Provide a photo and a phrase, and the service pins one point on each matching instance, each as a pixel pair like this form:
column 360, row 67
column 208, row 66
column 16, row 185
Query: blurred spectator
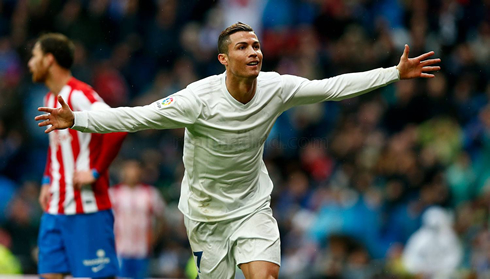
column 7, row 191
column 110, row 85
column 8, row 263
column 461, row 179
column 434, row 249
column 22, row 226
column 247, row 11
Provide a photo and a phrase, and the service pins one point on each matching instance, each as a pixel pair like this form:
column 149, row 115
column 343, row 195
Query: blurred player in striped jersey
column 76, row 234
column 138, row 209
column 226, row 189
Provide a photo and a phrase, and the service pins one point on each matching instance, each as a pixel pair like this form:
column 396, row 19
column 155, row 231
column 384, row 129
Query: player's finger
column 76, row 180
column 43, row 123
column 430, row 61
column 42, row 117
column 49, row 129
column 425, row 55
column 431, row 69
column 45, row 109
column 424, row 75
column 62, row 102
column 78, row 185
column 44, row 203
column 406, row 50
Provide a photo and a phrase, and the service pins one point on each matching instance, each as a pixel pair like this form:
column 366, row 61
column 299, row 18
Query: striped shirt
column 71, row 151
column 134, row 211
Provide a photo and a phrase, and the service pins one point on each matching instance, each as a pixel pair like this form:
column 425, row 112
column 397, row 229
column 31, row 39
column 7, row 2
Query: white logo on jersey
column 98, row 263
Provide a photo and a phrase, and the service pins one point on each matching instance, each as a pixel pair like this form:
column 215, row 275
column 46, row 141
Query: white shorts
column 220, row 246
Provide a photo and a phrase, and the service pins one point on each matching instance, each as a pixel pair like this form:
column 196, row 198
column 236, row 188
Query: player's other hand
column 417, row 67
column 81, row 178
column 44, row 196
column 58, row 118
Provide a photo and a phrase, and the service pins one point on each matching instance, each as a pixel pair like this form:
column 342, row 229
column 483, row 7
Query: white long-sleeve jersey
column 225, row 176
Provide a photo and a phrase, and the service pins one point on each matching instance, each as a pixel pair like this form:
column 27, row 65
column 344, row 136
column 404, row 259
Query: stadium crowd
column 352, row 179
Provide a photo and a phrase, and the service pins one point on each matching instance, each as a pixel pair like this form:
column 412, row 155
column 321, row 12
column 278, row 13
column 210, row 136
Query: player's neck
column 243, row 90
column 56, row 80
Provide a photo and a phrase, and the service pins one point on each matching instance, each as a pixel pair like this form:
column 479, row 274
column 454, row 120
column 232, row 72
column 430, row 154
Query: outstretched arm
column 179, row 110
column 417, row 67
column 303, row 91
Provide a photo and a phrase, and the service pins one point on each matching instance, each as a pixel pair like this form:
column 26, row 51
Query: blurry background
column 352, row 179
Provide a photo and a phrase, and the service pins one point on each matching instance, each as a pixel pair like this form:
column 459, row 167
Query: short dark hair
column 224, row 37
column 62, row 48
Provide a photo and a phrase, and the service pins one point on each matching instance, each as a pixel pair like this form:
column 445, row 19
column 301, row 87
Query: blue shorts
column 81, row 245
column 134, row 268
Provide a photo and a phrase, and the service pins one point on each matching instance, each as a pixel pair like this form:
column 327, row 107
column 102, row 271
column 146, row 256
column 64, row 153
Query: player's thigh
column 260, row 270
column 52, row 255
column 211, row 248
column 90, row 244
column 257, row 239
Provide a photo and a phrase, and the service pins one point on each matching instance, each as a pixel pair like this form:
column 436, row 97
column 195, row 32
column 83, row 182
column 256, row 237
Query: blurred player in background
column 138, row 210
column 76, row 234
column 434, row 250
column 226, row 189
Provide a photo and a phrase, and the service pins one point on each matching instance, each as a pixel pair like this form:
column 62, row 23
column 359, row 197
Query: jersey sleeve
column 176, row 111
column 301, row 91
column 111, row 144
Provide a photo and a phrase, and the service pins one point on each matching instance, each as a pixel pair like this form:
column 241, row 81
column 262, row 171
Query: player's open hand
column 417, row 67
column 58, row 118
column 81, row 178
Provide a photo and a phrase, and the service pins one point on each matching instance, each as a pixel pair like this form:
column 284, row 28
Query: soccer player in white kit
column 226, row 189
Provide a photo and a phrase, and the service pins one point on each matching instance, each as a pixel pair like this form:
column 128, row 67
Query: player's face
column 244, row 58
column 131, row 173
column 38, row 64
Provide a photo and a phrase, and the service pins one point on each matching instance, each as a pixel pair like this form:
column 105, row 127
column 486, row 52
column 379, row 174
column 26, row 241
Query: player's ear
column 49, row 58
column 223, row 59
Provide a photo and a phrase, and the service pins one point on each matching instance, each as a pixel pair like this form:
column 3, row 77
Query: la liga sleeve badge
column 165, row 102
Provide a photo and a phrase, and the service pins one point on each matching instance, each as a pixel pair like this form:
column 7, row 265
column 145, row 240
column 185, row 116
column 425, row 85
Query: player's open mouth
column 255, row 63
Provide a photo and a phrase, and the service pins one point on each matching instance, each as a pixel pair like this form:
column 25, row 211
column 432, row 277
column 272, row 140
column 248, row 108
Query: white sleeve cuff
column 395, row 72
column 80, row 122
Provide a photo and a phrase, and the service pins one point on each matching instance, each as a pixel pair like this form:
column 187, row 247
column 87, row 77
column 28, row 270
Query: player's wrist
column 46, row 180
column 95, row 174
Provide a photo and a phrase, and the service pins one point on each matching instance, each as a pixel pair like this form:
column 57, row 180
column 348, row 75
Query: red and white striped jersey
column 71, row 151
column 135, row 209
